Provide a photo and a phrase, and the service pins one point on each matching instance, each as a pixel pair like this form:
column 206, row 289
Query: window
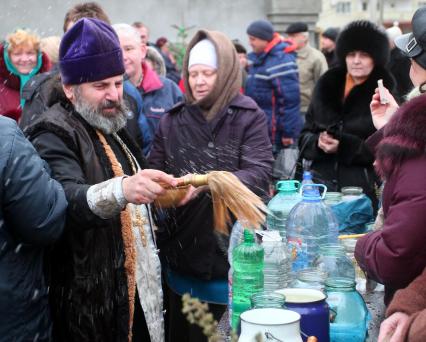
column 364, row 5
column 343, row 7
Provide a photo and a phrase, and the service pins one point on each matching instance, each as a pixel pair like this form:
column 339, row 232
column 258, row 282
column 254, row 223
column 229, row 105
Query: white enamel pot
column 273, row 325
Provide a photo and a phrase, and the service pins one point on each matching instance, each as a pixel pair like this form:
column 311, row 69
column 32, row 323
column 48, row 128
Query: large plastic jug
column 281, row 204
column 310, row 225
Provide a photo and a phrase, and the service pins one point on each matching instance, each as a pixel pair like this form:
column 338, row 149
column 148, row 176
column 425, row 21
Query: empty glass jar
column 333, row 261
column 310, row 278
column 263, row 300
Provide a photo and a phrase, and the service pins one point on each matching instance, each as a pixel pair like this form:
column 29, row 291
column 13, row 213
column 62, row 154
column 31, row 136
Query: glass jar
column 263, row 300
column 349, row 245
column 333, row 261
column 332, row 198
column 349, row 315
column 350, row 193
column 310, row 278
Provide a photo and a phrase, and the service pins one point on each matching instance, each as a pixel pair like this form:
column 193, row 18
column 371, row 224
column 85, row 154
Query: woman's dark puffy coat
column 349, row 121
column 32, row 216
column 236, row 140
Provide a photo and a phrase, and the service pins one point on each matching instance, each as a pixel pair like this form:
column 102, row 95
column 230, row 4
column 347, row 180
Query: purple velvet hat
column 90, row 51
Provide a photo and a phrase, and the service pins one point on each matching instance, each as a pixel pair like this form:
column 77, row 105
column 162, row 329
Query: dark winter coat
column 32, row 216
column 10, row 88
column 396, row 254
column 88, row 289
column 349, row 121
column 44, row 90
column 273, row 82
column 237, row 141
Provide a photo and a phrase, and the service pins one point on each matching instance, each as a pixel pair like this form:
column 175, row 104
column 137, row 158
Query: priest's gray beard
column 96, row 117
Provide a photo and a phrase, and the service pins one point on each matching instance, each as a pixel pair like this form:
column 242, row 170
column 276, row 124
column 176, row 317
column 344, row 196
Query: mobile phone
column 382, row 93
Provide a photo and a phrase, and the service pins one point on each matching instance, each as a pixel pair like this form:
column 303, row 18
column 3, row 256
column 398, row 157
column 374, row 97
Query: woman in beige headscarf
column 216, row 128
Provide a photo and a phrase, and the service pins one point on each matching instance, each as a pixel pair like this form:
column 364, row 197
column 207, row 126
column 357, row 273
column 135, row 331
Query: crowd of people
column 97, row 124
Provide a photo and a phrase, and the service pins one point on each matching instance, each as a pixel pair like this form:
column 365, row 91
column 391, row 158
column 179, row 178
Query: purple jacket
column 396, row 254
column 236, row 140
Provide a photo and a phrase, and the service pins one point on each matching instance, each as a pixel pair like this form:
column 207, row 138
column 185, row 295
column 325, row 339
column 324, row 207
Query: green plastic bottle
column 281, row 204
column 247, row 279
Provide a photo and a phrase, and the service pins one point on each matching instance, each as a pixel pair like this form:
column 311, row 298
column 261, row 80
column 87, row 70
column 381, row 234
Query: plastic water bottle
column 281, row 204
column 237, row 236
column 247, row 262
column 307, row 179
column 276, row 270
column 310, row 225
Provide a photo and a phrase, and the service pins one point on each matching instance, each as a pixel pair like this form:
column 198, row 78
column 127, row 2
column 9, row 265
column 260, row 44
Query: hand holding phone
column 382, row 92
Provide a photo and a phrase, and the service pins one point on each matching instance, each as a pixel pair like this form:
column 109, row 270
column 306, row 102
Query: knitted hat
column 297, row 28
column 90, row 51
column 204, row 53
column 363, row 35
column 331, row 33
column 261, row 29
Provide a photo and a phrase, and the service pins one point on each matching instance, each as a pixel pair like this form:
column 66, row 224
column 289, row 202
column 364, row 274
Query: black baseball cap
column 413, row 44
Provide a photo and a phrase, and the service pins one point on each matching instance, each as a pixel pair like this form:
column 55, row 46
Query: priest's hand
column 144, row 187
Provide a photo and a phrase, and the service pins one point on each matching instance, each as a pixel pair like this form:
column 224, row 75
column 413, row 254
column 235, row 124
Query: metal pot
column 273, row 325
column 313, row 309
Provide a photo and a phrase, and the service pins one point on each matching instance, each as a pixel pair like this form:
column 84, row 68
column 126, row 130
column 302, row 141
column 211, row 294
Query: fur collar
column 329, row 91
column 404, row 137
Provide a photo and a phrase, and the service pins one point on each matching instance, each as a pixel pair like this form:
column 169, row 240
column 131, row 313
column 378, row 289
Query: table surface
column 373, row 299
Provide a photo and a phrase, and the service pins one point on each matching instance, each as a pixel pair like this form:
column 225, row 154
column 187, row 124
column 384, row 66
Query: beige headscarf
column 229, row 79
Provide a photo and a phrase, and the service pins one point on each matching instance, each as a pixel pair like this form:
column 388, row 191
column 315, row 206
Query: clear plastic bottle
column 276, row 271
column 237, row 236
column 310, row 225
column 281, row 204
column 247, row 279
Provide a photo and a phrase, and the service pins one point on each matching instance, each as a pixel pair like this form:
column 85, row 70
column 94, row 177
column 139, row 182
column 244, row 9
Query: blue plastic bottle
column 310, row 225
column 281, row 204
column 247, row 279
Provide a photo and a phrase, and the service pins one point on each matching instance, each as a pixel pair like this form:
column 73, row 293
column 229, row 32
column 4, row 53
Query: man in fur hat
column 105, row 282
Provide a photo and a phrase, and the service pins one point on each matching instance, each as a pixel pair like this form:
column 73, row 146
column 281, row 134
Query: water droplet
column 18, row 248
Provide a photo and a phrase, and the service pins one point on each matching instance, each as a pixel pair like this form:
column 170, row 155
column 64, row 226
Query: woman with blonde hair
column 20, row 59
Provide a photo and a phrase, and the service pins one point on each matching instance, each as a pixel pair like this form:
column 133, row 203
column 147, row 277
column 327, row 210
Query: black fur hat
column 363, row 35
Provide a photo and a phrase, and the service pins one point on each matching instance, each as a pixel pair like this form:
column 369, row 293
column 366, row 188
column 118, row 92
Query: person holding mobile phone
column 339, row 120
